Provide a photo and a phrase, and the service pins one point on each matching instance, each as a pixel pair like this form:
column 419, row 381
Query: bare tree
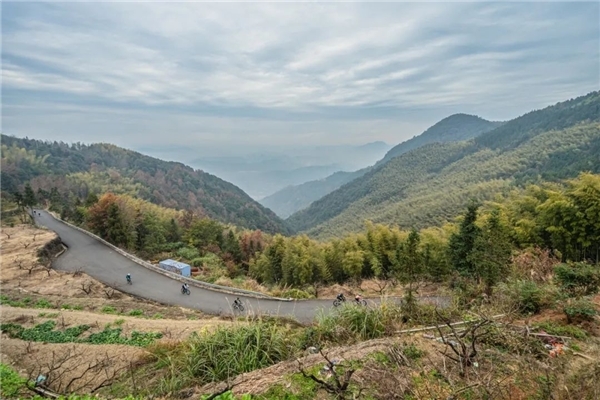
column 74, row 371
column 338, row 386
column 463, row 344
column 87, row 287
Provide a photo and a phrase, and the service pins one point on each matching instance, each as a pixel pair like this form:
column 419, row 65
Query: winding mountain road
column 109, row 267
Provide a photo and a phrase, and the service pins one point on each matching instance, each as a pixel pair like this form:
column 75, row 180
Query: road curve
column 109, row 267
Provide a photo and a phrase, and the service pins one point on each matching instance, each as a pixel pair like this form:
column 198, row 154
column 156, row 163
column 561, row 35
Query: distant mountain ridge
column 106, row 167
column 454, row 128
column 431, row 184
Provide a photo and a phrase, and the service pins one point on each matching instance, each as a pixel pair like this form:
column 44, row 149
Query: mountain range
column 454, row 128
column 80, row 169
column 433, row 183
column 263, row 173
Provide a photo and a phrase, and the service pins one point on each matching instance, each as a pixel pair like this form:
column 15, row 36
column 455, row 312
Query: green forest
column 560, row 218
column 432, row 184
column 99, row 168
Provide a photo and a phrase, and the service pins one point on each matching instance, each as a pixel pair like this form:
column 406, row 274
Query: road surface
column 109, row 267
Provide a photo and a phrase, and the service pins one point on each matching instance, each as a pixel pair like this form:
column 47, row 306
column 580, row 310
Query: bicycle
column 238, row 306
column 185, row 291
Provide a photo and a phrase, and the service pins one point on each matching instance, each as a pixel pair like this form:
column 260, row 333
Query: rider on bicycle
column 128, row 277
column 358, row 298
column 185, row 287
column 341, row 297
column 237, row 302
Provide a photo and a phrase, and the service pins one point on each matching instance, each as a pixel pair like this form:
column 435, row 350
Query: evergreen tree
column 116, row 231
column 461, row 244
column 492, row 251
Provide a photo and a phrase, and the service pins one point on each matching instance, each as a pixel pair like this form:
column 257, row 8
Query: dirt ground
column 25, row 282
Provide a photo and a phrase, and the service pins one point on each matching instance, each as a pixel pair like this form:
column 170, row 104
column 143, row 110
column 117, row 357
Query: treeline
column 563, row 218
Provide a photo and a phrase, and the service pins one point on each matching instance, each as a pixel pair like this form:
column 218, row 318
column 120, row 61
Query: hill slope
column 454, row 128
column 451, row 129
column 433, row 183
column 105, row 167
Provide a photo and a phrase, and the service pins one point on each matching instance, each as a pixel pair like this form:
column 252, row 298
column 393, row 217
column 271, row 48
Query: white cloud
column 304, row 59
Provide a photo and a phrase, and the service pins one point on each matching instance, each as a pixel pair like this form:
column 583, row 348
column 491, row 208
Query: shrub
column 578, row 279
column 296, row 294
column 562, row 330
column 227, row 351
column 188, row 253
column 351, row 322
column 528, row 297
column 136, row 313
column 10, row 382
column 579, row 310
column 109, row 310
column 43, row 303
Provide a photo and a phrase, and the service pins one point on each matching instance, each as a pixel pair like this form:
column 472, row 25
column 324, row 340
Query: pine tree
column 461, row 244
column 492, row 251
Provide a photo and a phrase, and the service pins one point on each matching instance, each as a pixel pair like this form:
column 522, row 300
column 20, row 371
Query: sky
column 224, row 76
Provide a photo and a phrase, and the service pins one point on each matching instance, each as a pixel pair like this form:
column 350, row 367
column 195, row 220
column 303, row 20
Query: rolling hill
column 454, row 128
column 431, row 184
column 103, row 167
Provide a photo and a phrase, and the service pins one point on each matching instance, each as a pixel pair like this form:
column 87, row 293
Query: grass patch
column 352, row 323
column 109, row 310
column 218, row 354
column 562, row 330
column 45, row 333
column 135, row 313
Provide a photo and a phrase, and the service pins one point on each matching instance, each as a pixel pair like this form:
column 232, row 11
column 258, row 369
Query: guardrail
column 193, row 282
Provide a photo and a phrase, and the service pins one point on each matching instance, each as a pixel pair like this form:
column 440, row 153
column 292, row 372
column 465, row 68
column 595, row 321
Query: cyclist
column 358, row 298
column 128, row 277
column 185, row 288
column 341, row 297
column 237, row 302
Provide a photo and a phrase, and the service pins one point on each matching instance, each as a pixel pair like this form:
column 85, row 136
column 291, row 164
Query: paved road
column 109, row 267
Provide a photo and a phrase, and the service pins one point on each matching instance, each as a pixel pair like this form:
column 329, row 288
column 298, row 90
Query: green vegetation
column 431, row 184
column 11, row 383
column 45, row 332
column 100, row 168
column 222, row 353
column 451, row 129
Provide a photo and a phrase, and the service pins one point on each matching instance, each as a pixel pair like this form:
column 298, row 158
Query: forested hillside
column 454, row 128
column 297, row 197
column 99, row 168
column 430, row 185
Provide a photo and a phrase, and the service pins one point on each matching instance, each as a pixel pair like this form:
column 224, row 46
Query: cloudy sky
column 158, row 75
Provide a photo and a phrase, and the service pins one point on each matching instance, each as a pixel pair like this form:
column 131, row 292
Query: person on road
column 128, row 277
column 341, row 297
column 237, row 302
column 358, row 298
column 185, row 288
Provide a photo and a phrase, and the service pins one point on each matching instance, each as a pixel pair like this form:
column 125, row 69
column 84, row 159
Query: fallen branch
column 435, row 327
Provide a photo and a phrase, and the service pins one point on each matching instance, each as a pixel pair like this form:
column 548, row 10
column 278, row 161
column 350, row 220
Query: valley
column 493, row 229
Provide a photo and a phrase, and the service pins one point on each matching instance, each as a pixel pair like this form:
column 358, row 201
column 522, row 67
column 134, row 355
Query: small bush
column 579, row 310
column 188, row 253
column 296, row 294
column 528, row 297
column 562, row 330
column 219, row 354
column 578, row 279
column 11, row 383
column 119, row 322
column 77, row 307
column 136, row 313
column 109, row 310
column 43, row 303
column 351, row 323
